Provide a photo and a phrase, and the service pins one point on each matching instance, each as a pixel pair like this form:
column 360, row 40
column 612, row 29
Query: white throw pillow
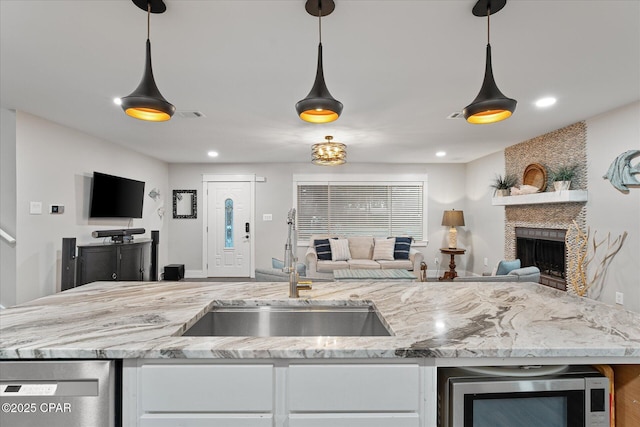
column 383, row 249
column 340, row 250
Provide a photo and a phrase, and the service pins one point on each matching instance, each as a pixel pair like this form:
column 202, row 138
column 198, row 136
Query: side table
column 449, row 275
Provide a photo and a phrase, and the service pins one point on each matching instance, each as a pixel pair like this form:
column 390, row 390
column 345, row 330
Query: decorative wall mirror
column 185, row 204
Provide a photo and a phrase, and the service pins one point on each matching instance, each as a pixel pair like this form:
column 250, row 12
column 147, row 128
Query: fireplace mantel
column 568, row 196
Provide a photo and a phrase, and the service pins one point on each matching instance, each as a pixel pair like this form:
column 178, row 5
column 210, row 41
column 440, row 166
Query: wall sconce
column 154, row 194
column 453, row 219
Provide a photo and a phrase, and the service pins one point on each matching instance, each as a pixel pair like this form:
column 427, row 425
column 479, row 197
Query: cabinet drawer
column 354, row 420
column 354, row 388
column 206, row 388
column 205, row 420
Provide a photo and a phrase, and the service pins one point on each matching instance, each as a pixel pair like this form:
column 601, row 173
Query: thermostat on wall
column 56, row 209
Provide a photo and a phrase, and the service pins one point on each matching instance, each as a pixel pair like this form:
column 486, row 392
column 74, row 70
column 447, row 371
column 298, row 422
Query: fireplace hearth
column 544, row 248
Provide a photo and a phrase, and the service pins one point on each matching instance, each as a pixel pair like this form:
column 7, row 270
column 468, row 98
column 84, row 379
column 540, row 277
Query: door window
column 228, row 223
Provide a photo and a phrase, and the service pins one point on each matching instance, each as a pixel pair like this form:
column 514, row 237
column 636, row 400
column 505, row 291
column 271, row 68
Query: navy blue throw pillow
column 323, row 249
column 402, row 247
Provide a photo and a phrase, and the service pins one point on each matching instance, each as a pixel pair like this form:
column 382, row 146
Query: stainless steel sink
column 290, row 320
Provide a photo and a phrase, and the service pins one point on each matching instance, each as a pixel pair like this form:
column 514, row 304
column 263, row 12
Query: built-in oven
column 532, row 396
column 71, row 393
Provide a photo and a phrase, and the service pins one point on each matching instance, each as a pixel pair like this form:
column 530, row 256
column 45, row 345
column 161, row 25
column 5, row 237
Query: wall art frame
column 185, row 204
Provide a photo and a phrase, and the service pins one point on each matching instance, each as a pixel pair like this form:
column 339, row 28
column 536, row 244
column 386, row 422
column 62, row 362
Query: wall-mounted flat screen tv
column 115, row 197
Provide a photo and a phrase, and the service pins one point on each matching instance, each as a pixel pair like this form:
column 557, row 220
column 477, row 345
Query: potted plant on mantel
column 562, row 176
column 502, row 185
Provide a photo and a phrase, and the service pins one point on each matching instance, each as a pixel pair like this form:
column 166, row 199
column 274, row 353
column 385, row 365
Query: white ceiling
column 399, row 67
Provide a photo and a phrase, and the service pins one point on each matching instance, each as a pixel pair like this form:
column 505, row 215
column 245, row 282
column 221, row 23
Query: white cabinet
column 206, row 420
column 274, row 393
column 354, row 420
column 354, row 395
column 198, row 395
column 210, row 388
column 354, row 387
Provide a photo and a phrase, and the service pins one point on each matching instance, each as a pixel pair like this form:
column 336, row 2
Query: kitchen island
column 432, row 325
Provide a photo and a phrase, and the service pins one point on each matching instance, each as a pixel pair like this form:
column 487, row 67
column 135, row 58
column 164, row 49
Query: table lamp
column 453, row 219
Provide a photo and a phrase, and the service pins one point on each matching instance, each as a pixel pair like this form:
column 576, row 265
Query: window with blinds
column 379, row 210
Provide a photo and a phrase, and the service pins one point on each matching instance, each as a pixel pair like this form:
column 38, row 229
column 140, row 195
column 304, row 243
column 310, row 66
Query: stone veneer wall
column 561, row 147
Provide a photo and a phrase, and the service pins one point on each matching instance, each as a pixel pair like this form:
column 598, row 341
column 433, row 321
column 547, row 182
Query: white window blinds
column 380, row 210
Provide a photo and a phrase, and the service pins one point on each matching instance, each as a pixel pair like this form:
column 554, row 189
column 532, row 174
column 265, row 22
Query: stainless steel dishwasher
column 73, row 393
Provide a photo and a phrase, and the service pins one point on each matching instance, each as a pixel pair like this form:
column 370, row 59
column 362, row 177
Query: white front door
column 229, row 229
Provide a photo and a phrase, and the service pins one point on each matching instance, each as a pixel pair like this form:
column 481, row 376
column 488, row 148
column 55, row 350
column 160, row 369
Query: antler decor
column 587, row 249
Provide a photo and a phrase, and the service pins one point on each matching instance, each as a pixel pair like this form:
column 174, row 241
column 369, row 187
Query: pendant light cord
column 148, row 18
column 488, row 22
column 320, row 21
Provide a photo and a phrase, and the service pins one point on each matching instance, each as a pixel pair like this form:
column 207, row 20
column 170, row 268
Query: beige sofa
column 361, row 249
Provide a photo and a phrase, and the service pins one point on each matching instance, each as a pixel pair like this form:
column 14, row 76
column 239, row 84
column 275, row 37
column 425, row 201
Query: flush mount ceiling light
column 328, row 153
column 146, row 102
column 490, row 105
column 319, row 106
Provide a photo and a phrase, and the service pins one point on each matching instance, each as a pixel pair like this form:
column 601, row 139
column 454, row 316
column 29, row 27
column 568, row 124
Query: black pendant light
column 490, row 105
column 319, row 106
column 146, row 102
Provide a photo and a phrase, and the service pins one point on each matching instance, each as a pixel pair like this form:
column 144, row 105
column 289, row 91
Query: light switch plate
column 267, row 217
column 35, row 208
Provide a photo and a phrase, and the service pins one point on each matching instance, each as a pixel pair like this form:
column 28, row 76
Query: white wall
column 7, row 206
column 609, row 210
column 275, row 196
column 485, row 223
column 54, row 165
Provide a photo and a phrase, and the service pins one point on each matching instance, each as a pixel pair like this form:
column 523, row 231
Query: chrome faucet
column 290, row 257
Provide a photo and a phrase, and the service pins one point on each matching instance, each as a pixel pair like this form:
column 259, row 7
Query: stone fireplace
column 553, row 223
column 544, row 248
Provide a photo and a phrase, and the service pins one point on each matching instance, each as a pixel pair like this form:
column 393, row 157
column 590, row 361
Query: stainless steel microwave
column 532, row 396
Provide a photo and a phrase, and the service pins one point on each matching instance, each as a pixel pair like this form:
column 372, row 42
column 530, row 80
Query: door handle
column 246, row 227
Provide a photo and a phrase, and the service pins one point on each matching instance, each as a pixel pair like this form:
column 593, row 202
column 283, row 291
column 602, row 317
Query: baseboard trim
column 195, row 274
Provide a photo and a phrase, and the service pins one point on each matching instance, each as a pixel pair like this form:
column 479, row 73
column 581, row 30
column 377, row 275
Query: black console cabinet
column 114, row 261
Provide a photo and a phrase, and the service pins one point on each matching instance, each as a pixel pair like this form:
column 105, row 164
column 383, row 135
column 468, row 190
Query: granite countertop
column 434, row 320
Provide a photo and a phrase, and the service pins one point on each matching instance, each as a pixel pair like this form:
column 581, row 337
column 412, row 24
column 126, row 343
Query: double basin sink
column 290, row 320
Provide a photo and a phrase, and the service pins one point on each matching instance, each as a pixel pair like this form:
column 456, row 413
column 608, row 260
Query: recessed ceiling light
column 441, row 153
column 117, row 101
column 545, row 102
column 212, row 154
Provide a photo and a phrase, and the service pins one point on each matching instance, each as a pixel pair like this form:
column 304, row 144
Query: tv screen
column 116, row 197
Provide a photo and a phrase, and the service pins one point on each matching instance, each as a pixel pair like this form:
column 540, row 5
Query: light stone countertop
column 129, row 320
